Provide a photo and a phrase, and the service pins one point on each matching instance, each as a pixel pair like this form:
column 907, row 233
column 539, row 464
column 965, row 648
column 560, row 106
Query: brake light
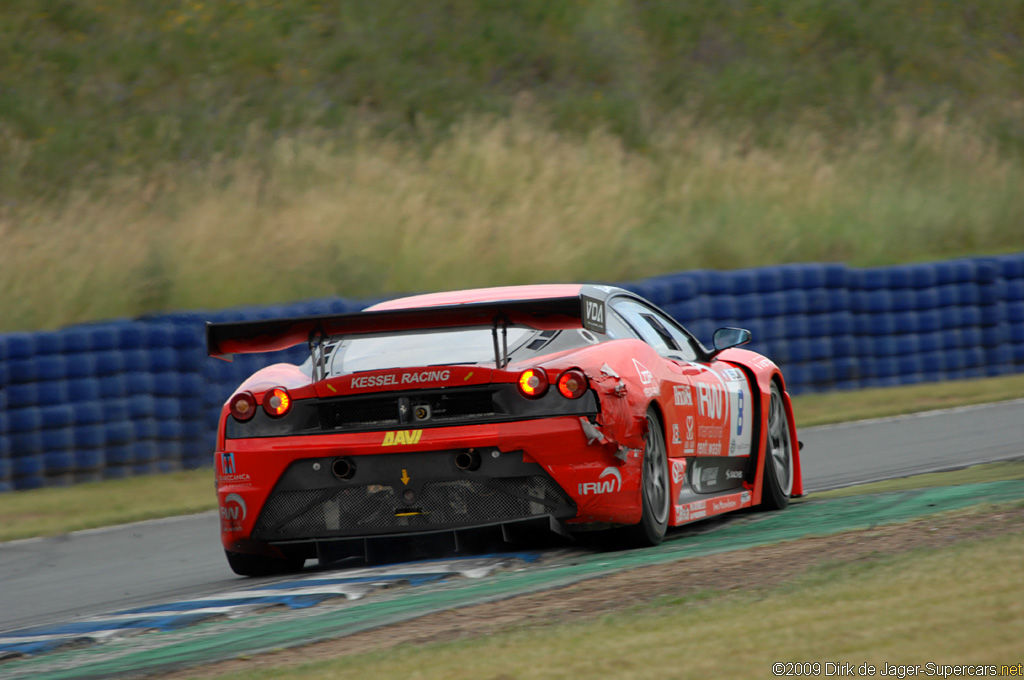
column 572, row 384
column 242, row 406
column 533, row 382
column 276, row 402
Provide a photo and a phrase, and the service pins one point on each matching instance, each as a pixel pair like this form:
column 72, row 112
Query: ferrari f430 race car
column 559, row 408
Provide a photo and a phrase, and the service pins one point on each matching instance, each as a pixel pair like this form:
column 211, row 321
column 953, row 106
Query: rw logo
column 602, row 485
column 711, row 400
column 402, row 437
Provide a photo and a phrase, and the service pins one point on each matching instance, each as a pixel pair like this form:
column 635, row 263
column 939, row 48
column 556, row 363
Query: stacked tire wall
column 129, row 397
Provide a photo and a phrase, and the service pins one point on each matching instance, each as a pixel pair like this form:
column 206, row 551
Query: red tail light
column 242, row 406
column 533, row 382
column 276, row 402
column 572, row 384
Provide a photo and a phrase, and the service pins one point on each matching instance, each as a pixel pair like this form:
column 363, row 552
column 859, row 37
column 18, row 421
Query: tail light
column 533, row 382
column 277, row 402
column 572, row 384
column 242, row 406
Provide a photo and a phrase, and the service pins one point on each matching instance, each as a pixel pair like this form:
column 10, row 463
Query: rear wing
column 246, row 337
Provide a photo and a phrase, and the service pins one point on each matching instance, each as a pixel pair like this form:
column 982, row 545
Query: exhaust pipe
column 343, row 468
column 467, row 461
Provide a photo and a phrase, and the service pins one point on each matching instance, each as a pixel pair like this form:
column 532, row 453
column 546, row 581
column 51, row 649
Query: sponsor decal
column 593, row 314
column 650, row 392
column 690, row 424
column 232, row 513
column 683, row 395
column 733, row 374
column 609, row 481
column 764, row 363
column 646, row 377
column 678, row 471
column 709, row 449
column 734, row 474
column 676, row 437
column 401, row 437
column 710, row 432
column 709, row 476
column 724, row 504
column 711, row 400
column 410, row 378
column 230, row 473
column 744, row 498
column 696, row 510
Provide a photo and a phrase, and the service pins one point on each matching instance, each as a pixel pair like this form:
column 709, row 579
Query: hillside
column 636, row 136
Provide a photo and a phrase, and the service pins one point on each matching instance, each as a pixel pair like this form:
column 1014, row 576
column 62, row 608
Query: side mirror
column 725, row 338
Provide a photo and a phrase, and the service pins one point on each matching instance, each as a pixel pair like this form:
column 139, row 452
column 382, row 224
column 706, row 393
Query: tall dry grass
column 502, row 201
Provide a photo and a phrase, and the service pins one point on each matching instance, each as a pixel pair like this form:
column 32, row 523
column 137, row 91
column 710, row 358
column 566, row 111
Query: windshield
column 368, row 353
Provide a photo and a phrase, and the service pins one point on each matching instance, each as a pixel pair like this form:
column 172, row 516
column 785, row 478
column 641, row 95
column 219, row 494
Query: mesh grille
column 358, row 412
column 466, row 405
column 369, row 509
column 363, row 412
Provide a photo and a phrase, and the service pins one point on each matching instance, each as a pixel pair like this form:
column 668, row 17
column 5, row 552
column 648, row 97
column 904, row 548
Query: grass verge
column 503, row 201
column 48, row 512
column 866, row 600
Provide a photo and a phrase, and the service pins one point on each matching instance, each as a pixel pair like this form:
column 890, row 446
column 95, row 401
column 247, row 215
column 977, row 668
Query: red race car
column 557, row 407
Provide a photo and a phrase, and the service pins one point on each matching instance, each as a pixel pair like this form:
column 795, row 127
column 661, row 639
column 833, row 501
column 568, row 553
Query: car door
column 678, row 403
column 712, row 402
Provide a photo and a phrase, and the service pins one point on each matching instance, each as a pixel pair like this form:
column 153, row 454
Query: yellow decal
column 331, row 388
column 405, row 477
column 401, row 437
column 468, row 376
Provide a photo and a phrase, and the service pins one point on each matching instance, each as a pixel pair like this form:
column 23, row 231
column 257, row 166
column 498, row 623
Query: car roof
column 459, row 297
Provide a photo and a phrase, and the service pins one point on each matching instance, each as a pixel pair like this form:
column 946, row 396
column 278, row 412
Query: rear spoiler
column 246, row 337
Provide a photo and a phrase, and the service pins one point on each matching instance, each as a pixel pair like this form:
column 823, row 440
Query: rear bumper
column 282, row 492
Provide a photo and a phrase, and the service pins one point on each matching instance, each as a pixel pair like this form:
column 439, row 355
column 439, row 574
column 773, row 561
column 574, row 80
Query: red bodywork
column 713, row 415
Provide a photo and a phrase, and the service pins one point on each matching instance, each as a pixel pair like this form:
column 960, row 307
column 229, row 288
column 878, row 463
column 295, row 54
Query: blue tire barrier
column 144, row 450
column 84, row 389
column 26, row 466
column 144, row 394
column 117, row 471
column 112, row 387
column 119, row 454
column 87, row 460
column 134, row 360
column 144, row 429
column 57, row 463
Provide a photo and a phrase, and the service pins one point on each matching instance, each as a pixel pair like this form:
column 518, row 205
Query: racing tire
column 245, row 564
column 655, row 491
column 778, row 458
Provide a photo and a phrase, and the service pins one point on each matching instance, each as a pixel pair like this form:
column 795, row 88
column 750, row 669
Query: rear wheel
column 778, row 455
column 245, row 564
column 655, row 489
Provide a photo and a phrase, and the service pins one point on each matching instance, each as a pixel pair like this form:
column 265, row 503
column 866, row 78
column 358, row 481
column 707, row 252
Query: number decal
column 739, row 419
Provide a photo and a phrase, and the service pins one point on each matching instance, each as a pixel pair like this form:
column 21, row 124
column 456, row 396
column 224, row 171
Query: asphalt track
column 70, row 577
